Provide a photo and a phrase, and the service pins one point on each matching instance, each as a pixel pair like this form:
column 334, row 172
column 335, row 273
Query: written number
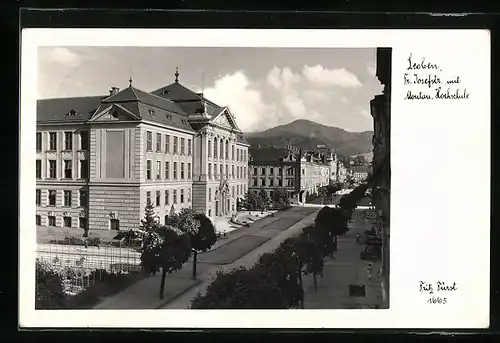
column 437, row 300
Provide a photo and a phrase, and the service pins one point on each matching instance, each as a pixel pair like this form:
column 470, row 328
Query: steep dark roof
column 131, row 94
column 58, row 109
column 176, row 92
column 267, row 154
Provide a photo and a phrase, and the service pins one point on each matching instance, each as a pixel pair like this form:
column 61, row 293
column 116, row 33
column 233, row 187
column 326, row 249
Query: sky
column 263, row 87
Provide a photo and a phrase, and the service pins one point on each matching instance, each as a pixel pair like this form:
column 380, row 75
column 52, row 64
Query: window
column 271, row 182
column 182, row 170
column 175, row 196
column 38, row 169
column 148, row 197
column 38, row 219
column 227, row 171
column 271, row 171
column 52, row 197
column 244, row 155
column 209, row 213
column 254, row 171
column 158, row 142
column 189, row 194
column 210, row 194
column 232, row 171
column 68, row 141
column 189, row 171
column 82, row 223
column 52, row 169
column 38, row 141
column 221, row 155
column 215, row 170
column 237, row 172
column 227, row 150
column 52, row 141
column 68, row 169
column 167, row 144
column 244, row 171
column 183, row 146
column 67, row 198
column 255, row 182
column 182, row 196
column 232, row 191
column 158, row 170
column 175, row 144
column 148, row 169
column 115, row 224
column 67, row 221
column 221, row 171
column 189, row 147
column 83, row 198
column 209, row 148
column 149, row 141
column 232, row 152
column 38, row 197
column 263, row 182
column 279, row 170
column 209, row 170
column 215, row 148
column 158, row 198
column 303, row 171
column 167, row 197
column 167, row 170
column 263, row 171
column 84, row 140
column 238, row 155
column 84, row 169
column 175, row 170
column 52, row 220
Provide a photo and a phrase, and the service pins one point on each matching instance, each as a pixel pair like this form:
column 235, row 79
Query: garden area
column 64, row 282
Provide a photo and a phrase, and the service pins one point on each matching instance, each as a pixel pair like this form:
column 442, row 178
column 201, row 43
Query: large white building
column 101, row 158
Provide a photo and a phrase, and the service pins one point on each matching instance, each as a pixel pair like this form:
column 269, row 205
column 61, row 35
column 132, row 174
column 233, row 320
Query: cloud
column 282, row 79
column 63, row 55
column 365, row 113
column 331, row 77
column 235, row 91
column 344, row 100
column 371, row 69
column 295, row 105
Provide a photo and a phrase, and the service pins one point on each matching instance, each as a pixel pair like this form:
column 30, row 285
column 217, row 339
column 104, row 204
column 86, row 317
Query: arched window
column 209, row 148
column 215, row 148
column 227, row 149
column 221, row 148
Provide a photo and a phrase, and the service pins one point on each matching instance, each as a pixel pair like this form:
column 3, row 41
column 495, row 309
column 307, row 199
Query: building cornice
column 168, row 127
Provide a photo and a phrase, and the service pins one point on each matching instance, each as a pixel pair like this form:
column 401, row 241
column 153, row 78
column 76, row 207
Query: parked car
column 371, row 253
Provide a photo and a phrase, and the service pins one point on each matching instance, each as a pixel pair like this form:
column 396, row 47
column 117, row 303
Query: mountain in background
column 306, row 134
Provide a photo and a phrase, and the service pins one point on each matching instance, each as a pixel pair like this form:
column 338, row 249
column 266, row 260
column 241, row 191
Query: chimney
column 114, row 90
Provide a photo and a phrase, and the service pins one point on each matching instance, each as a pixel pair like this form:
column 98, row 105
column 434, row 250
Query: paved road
column 242, row 248
column 345, row 269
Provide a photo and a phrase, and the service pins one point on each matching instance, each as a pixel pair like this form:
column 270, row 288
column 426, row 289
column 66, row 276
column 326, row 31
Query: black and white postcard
column 258, row 174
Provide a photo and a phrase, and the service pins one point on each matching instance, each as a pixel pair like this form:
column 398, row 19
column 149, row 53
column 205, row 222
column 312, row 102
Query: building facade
column 381, row 178
column 359, row 174
column 101, row 159
column 299, row 172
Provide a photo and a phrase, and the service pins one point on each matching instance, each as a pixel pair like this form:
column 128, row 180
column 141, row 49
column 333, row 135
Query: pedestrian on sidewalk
column 369, row 271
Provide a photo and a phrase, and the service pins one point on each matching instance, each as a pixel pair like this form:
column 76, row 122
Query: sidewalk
column 346, row 269
column 184, row 301
column 179, row 286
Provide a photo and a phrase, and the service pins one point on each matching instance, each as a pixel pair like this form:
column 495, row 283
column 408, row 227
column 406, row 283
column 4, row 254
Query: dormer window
column 169, row 117
column 151, row 113
column 72, row 112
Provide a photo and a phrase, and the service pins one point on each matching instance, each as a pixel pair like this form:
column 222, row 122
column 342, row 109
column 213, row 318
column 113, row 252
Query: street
column 242, row 248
